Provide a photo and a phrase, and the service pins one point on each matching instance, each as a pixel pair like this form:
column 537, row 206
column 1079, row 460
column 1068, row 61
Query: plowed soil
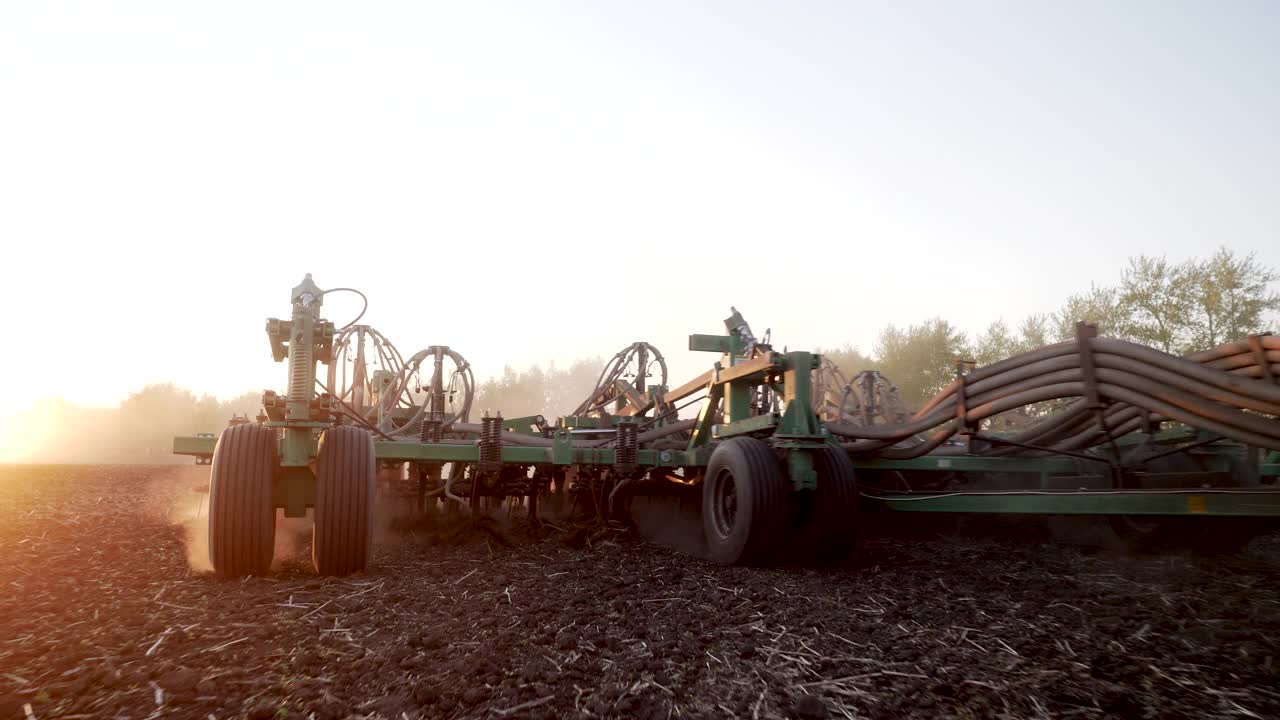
column 102, row 615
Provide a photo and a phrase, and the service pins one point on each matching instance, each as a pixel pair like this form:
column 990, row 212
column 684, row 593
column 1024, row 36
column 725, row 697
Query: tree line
column 552, row 392
column 140, row 430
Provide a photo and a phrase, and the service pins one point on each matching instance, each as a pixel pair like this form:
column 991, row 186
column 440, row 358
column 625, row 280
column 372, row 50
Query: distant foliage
column 140, row 430
column 921, row 359
column 1182, row 307
column 1231, row 299
column 552, row 392
column 849, row 361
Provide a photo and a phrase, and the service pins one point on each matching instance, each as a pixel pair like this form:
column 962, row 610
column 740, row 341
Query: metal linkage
column 445, row 394
column 376, row 387
column 869, row 399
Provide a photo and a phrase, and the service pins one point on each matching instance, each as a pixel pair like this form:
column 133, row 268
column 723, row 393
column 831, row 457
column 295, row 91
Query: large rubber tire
column 242, row 518
column 744, row 502
column 346, row 484
column 837, row 506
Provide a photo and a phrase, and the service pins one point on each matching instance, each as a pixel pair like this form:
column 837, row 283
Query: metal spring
column 490, row 443
column 628, row 445
column 432, row 428
column 300, row 371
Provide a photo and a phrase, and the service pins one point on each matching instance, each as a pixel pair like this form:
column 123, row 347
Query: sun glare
column 23, row 435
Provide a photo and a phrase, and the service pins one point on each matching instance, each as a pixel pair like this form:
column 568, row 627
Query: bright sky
column 531, row 182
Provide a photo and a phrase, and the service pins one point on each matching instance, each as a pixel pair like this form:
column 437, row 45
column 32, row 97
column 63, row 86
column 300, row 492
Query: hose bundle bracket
column 1084, row 333
column 1094, row 399
column 1260, row 357
column 968, row 427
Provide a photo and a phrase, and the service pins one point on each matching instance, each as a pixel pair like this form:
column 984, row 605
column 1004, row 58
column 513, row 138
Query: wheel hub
column 725, row 509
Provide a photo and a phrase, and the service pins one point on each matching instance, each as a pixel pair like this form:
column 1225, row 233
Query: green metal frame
column 1153, row 502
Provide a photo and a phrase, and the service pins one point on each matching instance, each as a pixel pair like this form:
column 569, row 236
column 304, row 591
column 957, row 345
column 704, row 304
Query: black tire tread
column 755, row 469
column 838, row 505
column 241, row 513
column 346, row 485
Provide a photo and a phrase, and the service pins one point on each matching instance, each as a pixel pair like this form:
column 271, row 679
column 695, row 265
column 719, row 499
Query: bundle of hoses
column 1229, row 391
column 606, row 391
column 462, row 380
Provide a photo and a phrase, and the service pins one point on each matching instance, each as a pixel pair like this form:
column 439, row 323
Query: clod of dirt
column 180, row 682
column 808, row 707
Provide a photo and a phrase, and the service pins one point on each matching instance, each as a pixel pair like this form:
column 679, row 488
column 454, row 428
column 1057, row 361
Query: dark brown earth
column 101, row 616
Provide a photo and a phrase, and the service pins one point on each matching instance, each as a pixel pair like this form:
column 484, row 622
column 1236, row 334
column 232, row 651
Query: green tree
column 998, row 341
column 1156, row 298
column 1033, row 332
column 148, row 419
column 994, row 344
column 249, row 404
column 1230, row 298
column 920, row 359
column 1099, row 306
column 567, row 388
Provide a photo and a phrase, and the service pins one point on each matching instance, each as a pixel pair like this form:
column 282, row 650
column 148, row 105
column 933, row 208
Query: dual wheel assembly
column 751, row 514
column 242, row 512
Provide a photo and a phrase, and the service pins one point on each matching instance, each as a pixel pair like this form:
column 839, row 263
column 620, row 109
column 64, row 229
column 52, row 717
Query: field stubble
column 108, row 610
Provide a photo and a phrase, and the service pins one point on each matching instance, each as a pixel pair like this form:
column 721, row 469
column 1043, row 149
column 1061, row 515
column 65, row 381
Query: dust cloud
column 183, row 498
column 180, row 496
column 673, row 520
column 139, row 431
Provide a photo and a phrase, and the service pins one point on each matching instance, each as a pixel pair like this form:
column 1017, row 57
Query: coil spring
column 490, row 443
column 628, row 445
column 432, row 427
column 300, row 371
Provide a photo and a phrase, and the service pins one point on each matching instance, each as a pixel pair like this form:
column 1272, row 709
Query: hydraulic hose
column 1217, row 390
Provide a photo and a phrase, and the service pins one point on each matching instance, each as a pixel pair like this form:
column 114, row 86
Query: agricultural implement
column 785, row 453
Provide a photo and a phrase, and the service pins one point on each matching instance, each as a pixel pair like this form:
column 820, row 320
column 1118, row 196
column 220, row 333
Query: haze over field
column 542, row 183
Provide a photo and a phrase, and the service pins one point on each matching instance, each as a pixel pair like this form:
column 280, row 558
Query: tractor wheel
column 346, row 482
column 242, row 518
column 836, row 506
column 744, row 502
